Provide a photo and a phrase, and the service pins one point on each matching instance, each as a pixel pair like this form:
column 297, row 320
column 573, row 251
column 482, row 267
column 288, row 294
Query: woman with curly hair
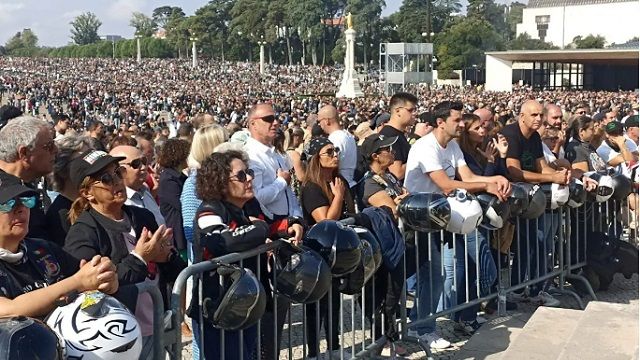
column 172, row 157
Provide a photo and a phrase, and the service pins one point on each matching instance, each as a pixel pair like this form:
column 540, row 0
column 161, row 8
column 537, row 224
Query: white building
column 559, row 21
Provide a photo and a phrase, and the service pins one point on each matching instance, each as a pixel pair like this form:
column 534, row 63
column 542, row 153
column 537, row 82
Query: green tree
column 514, row 16
column 465, row 43
column 491, row 12
column 211, row 26
column 164, row 14
column 442, row 11
column 14, row 43
column 144, row 25
column 589, row 42
column 248, row 25
column 368, row 24
column 85, row 28
column 525, row 42
column 29, row 39
column 410, row 20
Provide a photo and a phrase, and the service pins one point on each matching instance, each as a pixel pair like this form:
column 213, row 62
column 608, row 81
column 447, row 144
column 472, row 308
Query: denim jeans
column 540, row 233
column 457, row 294
column 429, row 280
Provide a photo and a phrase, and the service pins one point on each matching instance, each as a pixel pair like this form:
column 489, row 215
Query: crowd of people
column 119, row 173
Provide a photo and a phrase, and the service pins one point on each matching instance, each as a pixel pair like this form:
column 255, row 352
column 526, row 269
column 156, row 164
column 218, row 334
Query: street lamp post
column 194, row 51
column 262, row 43
column 475, row 73
column 138, row 55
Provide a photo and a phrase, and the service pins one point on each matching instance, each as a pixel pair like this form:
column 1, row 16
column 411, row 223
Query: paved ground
column 624, row 291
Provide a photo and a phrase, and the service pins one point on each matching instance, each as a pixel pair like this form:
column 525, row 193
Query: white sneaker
column 481, row 319
column 434, row 340
column 545, row 299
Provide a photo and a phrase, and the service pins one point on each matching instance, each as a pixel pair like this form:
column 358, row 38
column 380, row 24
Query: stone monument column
column 350, row 85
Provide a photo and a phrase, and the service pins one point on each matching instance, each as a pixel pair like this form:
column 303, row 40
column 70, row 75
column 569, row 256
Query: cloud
column 8, row 9
column 122, row 9
column 70, row 15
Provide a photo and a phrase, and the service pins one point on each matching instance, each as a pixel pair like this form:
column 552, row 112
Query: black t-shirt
column 578, row 151
column 521, row 148
column 313, row 198
column 401, row 147
column 375, row 183
column 57, row 220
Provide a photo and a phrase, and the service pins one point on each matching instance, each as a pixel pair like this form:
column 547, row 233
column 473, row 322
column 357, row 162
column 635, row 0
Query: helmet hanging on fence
column 556, row 195
column 496, row 212
column 425, row 211
column 466, row 212
column 97, row 326
column 338, row 245
column 366, row 235
column 353, row 282
column 604, row 190
column 518, row 200
column 622, row 187
column 301, row 274
column 26, row 338
column 537, row 201
column 577, row 193
column 241, row 301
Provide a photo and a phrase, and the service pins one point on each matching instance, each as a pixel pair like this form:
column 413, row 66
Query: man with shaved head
column 134, row 177
column 341, row 139
column 486, row 118
column 552, row 122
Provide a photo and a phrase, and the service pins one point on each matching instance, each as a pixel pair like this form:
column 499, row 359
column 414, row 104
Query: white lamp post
column 262, row 43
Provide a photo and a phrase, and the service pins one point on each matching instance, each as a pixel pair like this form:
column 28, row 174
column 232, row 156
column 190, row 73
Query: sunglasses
column 268, row 118
column 384, row 149
column 109, row 178
column 137, row 163
column 332, row 152
column 243, row 175
column 28, row 201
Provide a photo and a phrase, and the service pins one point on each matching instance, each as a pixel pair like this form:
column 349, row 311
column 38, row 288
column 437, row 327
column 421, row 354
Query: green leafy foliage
column 84, row 28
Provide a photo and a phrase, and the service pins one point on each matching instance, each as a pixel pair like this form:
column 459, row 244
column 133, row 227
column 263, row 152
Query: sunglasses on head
column 243, row 175
column 268, row 118
column 9, row 205
column 109, row 178
column 332, row 152
column 137, row 163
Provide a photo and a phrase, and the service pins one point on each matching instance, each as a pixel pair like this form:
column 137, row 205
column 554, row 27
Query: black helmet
column 305, row 277
column 577, row 193
column 622, row 187
column 425, row 211
column 338, row 245
column 495, row 211
column 605, row 187
column 241, row 301
column 537, row 201
column 556, row 195
column 26, row 338
column 366, row 235
column 353, row 282
column 518, row 200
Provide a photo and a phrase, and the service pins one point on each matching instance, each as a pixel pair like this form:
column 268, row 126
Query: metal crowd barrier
column 553, row 246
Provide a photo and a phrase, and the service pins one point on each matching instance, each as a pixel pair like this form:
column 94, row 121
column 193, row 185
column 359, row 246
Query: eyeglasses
column 331, row 152
column 137, row 163
column 28, row 201
column 109, row 178
column 268, row 118
column 243, row 175
column 384, row 149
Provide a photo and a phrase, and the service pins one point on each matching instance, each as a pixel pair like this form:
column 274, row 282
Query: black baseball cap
column 314, row 146
column 90, row 163
column 380, row 119
column 632, row 121
column 11, row 186
column 375, row 142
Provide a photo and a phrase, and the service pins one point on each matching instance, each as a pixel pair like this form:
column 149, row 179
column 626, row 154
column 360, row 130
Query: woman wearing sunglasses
column 102, row 225
column 229, row 220
column 34, row 274
column 325, row 195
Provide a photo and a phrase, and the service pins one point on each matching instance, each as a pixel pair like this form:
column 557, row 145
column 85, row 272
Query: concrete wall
column 617, row 22
column 499, row 74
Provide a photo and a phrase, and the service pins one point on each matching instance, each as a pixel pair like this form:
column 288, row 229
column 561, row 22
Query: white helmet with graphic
column 466, row 212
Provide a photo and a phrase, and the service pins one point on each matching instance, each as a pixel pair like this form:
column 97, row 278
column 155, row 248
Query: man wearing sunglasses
column 135, row 176
column 28, row 152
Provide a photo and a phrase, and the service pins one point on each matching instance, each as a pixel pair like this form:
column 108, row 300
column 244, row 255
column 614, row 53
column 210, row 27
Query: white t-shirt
column 607, row 153
column 348, row 153
column 425, row 156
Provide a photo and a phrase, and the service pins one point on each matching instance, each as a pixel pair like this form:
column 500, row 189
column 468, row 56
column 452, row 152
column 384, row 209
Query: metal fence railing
column 454, row 275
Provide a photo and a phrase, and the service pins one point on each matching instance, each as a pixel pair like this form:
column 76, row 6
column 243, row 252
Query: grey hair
column 21, row 131
column 69, row 147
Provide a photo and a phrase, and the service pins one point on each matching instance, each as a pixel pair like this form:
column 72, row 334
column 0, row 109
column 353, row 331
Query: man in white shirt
column 617, row 150
column 135, row 165
column 433, row 165
column 328, row 121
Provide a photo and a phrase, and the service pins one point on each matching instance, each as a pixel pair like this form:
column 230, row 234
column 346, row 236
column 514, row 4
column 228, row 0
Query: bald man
column 486, row 116
column 552, row 121
column 342, row 139
column 134, row 177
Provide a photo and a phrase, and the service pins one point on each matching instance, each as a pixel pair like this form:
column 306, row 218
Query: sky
column 49, row 19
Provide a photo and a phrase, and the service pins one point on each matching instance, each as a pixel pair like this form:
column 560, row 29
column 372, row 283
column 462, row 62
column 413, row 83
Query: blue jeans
column 429, row 280
column 540, row 233
column 211, row 342
column 454, row 295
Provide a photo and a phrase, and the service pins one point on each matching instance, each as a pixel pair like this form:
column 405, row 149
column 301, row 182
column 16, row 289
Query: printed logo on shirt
column 47, row 263
column 527, row 161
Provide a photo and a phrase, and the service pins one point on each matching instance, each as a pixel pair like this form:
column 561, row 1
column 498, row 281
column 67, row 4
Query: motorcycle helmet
column 495, row 211
column 26, row 338
column 240, row 303
column 577, row 193
column 605, row 187
column 353, row 282
column 537, row 201
column 97, row 326
column 622, row 187
column 337, row 244
column 425, row 212
column 518, row 200
column 466, row 212
column 366, row 235
column 556, row 195
column 301, row 274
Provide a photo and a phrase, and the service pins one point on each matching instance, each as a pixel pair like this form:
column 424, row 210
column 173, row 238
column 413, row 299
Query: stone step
column 544, row 335
column 605, row 331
